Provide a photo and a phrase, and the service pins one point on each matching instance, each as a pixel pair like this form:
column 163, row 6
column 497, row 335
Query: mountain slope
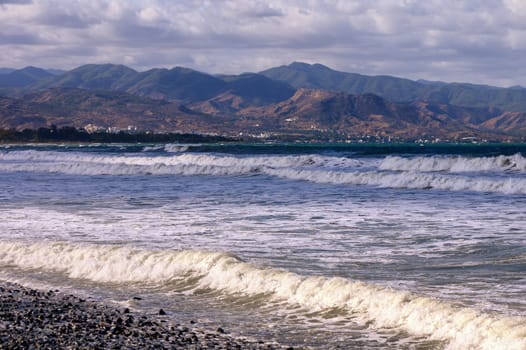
column 23, row 77
column 77, row 107
column 90, row 76
column 317, row 76
column 302, row 75
column 308, row 113
column 177, row 84
column 270, row 86
column 357, row 115
column 512, row 123
column 257, row 89
column 314, row 111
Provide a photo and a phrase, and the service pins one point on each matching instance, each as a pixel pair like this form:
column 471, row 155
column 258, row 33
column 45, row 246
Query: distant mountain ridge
column 317, row 76
column 298, row 99
column 179, row 84
column 23, row 77
column 187, row 85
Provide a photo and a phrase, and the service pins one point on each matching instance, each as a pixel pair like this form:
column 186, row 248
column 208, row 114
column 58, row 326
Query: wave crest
column 455, row 164
column 381, row 306
column 412, row 180
column 393, row 172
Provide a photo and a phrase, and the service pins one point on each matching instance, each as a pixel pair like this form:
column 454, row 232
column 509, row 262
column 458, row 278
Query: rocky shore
column 35, row 319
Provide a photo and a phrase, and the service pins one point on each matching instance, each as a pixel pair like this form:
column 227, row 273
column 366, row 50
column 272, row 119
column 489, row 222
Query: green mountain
column 270, row 86
column 303, row 75
column 177, row 84
column 256, row 89
column 317, row 76
column 89, row 76
column 24, row 77
column 56, row 71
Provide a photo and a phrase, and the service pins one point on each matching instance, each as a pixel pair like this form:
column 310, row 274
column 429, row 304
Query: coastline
column 31, row 318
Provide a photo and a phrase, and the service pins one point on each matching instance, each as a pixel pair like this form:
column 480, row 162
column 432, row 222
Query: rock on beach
column 36, row 319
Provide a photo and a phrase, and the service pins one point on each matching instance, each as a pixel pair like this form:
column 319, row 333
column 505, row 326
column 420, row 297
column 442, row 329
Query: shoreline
column 32, row 318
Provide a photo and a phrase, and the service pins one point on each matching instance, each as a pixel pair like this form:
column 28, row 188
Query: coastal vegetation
column 71, row 134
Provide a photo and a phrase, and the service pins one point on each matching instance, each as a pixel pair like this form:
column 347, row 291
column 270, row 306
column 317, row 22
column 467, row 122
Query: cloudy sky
column 480, row 41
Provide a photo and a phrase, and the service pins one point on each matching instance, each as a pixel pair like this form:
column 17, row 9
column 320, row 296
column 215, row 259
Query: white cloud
column 469, row 40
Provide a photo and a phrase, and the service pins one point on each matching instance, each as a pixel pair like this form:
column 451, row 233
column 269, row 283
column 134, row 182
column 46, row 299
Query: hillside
column 23, row 77
column 324, row 112
column 78, row 108
column 317, row 76
column 89, row 76
column 176, row 84
column 272, row 85
column 312, row 113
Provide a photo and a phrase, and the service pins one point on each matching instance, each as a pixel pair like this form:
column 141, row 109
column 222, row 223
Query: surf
column 380, row 306
column 423, row 173
column 455, row 164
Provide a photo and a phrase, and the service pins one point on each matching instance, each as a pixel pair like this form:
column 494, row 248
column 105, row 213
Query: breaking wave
column 455, row 164
column 439, row 173
column 382, row 307
column 176, row 148
column 412, row 180
column 181, row 164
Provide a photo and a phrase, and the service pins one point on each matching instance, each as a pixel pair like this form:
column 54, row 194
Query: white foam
column 152, row 148
column 455, row 164
column 314, row 168
column 463, row 328
column 176, row 148
column 413, row 180
column 181, row 163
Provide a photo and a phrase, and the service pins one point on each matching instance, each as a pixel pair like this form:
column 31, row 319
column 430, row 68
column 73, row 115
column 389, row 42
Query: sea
column 315, row 246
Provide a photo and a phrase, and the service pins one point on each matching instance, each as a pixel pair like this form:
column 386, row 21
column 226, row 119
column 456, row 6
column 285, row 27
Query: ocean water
column 319, row 246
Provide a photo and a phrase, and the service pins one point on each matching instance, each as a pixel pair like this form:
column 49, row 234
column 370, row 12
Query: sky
column 477, row 41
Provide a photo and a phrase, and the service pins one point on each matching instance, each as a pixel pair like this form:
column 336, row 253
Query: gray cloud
column 15, row 2
column 20, row 39
column 263, row 10
column 470, row 40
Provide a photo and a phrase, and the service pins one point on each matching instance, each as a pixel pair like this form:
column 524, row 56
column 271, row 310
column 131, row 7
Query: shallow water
column 315, row 245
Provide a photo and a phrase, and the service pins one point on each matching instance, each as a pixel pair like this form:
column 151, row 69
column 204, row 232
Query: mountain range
column 299, row 99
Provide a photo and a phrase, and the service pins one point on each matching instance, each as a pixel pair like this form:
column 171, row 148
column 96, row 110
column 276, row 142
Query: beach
column 37, row 319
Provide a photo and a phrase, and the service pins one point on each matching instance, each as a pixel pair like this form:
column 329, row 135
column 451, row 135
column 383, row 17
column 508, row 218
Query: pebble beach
column 36, row 319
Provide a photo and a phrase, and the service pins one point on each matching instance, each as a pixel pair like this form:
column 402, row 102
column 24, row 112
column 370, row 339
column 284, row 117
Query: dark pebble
column 31, row 319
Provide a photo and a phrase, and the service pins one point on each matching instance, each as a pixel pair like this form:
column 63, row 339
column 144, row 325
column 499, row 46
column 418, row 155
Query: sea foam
column 461, row 328
column 456, row 164
column 393, row 172
column 413, row 180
